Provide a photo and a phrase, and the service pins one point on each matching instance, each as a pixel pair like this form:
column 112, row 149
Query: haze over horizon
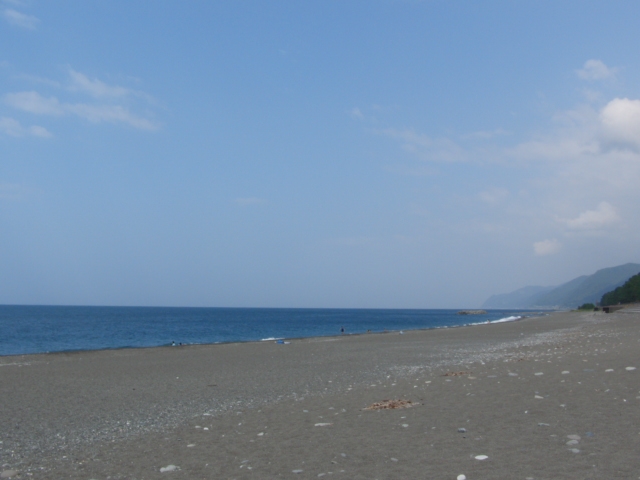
column 385, row 154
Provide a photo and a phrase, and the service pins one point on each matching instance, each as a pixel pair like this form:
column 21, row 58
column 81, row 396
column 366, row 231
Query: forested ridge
column 627, row 293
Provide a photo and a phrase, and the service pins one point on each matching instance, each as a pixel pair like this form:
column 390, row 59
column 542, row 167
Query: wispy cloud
column 596, row 70
column 603, row 216
column 556, row 176
column 21, row 20
column 82, row 96
column 95, row 87
column 12, row 127
column 547, row 247
column 35, row 103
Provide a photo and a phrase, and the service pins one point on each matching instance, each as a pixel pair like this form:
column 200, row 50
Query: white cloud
column 596, row 70
column 95, row 87
column 588, row 136
column 547, row 247
column 601, row 217
column 621, row 122
column 247, row 201
column 12, row 127
column 38, row 131
column 110, row 113
column 20, row 19
column 33, row 102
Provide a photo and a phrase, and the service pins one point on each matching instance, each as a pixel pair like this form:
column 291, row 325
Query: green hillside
column 627, row 293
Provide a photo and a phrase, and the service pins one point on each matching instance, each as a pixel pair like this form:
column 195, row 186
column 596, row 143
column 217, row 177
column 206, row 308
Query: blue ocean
column 39, row 329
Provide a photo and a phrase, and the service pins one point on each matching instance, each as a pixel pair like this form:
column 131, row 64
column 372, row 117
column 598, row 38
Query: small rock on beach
column 169, row 468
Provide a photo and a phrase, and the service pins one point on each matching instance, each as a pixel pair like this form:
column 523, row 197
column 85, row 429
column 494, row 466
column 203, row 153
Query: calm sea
column 38, row 329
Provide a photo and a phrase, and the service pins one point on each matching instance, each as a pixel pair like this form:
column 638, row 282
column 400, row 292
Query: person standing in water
column 342, row 330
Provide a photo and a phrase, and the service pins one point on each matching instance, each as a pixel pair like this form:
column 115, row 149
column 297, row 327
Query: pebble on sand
column 461, row 477
column 323, row 424
column 630, row 368
column 566, row 372
column 538, row 397
column 169, row 468
column 538, row 374
column 8, row 473
column 609, row 370
column 481, row 457
column 297, row 471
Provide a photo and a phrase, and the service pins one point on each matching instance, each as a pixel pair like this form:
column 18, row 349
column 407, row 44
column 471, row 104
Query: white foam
column 507, row 319
column 271, row 339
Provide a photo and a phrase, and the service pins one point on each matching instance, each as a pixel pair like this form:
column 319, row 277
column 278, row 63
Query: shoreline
column 208, row 408
column 535, row 314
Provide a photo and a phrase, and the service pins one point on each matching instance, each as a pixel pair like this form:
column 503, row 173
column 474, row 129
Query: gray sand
column 265, row 410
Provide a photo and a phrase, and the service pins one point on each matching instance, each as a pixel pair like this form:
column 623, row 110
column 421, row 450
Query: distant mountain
column 522, row 296
column 584, row 289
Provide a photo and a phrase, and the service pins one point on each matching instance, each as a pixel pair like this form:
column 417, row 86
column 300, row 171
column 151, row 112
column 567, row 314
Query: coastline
column 524, row 314
column 128, row 413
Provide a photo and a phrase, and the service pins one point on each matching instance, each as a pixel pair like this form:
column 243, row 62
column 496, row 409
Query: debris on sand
column 390, row 405
column 456, row 374
column 169, row 468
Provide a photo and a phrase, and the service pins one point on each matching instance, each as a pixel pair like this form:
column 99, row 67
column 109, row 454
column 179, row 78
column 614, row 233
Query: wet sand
column 542, row 398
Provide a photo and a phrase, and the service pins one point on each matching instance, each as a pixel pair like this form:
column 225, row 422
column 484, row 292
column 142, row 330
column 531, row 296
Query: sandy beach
column 542, row 398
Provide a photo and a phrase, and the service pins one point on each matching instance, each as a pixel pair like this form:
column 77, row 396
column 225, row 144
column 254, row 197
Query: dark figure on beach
column 342, row 330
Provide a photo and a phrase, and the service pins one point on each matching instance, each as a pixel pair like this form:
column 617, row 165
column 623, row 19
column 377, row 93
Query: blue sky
column 402, row 154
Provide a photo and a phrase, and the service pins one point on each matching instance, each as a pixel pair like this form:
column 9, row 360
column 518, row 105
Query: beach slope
column 550, row 397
